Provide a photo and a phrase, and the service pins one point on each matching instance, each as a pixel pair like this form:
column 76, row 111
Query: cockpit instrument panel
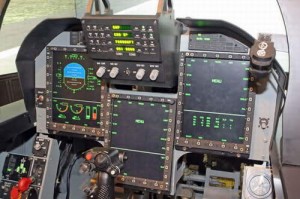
column 143, row 127
column 215, row 102
column 73, row 92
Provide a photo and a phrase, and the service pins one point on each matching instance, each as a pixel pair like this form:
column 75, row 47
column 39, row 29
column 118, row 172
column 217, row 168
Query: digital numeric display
column 121, row 27
column 123, row 34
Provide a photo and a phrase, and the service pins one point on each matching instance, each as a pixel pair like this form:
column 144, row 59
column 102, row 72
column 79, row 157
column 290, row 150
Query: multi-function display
column 147, row 134
column 215, row 98
column 149, row 148
column 75, row 93
column 215, row 104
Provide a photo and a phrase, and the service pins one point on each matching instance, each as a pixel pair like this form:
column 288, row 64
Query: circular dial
column 260, row 186
column 74, row 76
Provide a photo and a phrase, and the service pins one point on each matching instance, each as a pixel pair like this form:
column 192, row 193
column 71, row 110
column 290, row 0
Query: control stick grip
column 105, row 183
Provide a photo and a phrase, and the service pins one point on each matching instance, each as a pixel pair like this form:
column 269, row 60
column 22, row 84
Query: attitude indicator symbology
column 74, row 92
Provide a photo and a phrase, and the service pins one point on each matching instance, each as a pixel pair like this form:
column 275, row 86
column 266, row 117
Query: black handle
column 106, row 186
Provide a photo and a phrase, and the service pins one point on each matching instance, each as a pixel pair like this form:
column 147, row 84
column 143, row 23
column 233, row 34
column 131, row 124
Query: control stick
column 107, row 164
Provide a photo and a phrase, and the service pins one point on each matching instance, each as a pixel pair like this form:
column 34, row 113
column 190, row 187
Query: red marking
column 94, row 116
column 88, row 156
column 23, row 185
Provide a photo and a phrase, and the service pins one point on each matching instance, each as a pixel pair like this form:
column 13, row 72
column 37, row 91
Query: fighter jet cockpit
column 149, row 99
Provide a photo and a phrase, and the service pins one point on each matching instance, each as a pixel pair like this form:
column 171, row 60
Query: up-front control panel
column 143, row 128
column 119, row 39
column 74, row 92
column 133, row 50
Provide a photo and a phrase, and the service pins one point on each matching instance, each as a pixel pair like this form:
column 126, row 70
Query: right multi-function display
column 215, row 104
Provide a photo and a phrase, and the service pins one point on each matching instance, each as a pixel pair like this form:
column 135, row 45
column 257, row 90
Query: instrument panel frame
column 197, row 145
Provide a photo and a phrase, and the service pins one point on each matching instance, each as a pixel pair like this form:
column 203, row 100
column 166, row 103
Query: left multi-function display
column 73, row 92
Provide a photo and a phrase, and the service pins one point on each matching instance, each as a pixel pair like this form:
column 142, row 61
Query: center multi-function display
column 146, row 139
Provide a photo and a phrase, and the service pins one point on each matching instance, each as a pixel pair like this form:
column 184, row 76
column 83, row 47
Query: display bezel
column 142, row 182
column 212, row 146
column 62, row 128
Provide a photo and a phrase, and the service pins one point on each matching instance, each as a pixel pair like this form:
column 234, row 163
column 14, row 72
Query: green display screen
column 124, row 41
column 121, row 27
column 123, row 34
column 125, row 49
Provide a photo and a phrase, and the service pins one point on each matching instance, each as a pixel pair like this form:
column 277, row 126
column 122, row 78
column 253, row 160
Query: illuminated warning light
column 89, row 156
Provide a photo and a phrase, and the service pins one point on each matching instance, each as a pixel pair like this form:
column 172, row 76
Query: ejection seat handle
column 91, row 3
column 165, row 6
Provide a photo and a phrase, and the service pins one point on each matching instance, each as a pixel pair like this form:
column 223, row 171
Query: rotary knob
column 100, row 72
column 140, row 74
column 37, row 146
column 154, row 74
column 114, row 72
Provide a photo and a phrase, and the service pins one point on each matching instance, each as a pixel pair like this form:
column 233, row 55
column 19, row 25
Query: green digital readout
column 125, row 49
column 74, row 56
column 124, row 41
column 121, row 27
column 123, row 34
